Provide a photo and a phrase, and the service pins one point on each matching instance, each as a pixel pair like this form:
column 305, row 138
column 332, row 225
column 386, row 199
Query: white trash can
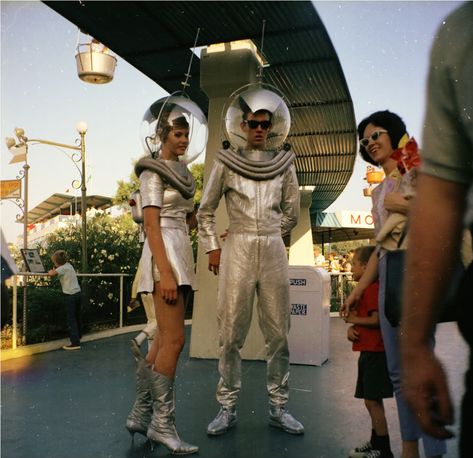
column 309, row 294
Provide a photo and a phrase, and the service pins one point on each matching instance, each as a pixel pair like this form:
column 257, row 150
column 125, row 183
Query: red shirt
column 370, row 339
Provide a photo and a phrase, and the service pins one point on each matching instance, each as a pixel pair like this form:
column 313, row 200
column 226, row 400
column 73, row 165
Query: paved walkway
column 74, row 404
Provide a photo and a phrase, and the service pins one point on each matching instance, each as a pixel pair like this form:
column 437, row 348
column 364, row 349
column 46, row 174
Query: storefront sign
column 10, row 189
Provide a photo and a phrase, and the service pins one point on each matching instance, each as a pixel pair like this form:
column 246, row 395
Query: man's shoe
column 279, row 417
column 225, row 419
column 71, row 347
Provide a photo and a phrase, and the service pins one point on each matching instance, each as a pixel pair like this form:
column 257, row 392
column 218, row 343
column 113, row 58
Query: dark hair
column 59, row 257
column 387, row 120
column 177, row 123
column 364, row 253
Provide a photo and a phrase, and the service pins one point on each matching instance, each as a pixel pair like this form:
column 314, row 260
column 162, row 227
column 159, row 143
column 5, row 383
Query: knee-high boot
column 140, row 416
column 162, row 428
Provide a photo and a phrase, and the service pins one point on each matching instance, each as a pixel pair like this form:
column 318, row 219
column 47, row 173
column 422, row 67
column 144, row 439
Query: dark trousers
column 72, row 302
column 465, row 323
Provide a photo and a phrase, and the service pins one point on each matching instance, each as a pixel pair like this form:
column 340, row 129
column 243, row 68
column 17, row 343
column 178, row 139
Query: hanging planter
column 95, row 64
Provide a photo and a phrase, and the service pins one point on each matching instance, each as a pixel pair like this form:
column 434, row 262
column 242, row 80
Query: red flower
column 407, row 157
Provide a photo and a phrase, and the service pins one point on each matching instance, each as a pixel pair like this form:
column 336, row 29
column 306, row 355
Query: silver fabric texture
column 140, row 416
column 173, row 172
column 269, row 207
column 256, row 170
column 225, row 419
column 279, row 417
column 162, row 428
column 174, row 209
column 253, row 261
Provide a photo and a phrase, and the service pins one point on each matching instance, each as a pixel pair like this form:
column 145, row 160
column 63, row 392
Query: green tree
column 124, row 190
column 112, row 244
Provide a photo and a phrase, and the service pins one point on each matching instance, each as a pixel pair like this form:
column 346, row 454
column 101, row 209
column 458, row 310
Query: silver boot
column 136, row 350
column 225, row 419
column 140, row 416
column 162, row 429
column 279, row 417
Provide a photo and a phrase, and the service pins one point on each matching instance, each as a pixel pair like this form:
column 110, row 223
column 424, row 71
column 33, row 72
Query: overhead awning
column 64, row 204
column 156, row 38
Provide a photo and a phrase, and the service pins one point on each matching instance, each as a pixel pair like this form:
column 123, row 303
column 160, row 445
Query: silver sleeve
column 151, row 189
column 206, row 215
column 290, row 203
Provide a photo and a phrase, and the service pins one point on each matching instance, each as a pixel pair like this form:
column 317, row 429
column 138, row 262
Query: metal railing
column 341, row 286
column 114, row 307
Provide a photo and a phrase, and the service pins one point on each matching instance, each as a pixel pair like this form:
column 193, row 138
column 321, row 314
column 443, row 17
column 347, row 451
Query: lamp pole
column 82, row 129
column 24, row 141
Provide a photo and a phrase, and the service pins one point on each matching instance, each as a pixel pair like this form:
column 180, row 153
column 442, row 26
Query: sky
column 383, row 48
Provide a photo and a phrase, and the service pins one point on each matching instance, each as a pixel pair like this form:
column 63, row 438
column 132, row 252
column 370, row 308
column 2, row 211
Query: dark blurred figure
column 442, row 208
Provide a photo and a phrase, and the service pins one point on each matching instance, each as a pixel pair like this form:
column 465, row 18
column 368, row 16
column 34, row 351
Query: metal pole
column 25, row 242
column 121, row 302
column 84, row 204
column 15, row 310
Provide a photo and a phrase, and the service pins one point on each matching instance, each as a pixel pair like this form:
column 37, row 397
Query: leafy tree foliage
column 112, row 244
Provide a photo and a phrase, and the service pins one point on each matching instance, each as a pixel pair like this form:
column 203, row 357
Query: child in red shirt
column 373, row 383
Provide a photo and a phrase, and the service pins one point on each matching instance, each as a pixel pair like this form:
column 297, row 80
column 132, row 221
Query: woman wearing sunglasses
column 381, row 135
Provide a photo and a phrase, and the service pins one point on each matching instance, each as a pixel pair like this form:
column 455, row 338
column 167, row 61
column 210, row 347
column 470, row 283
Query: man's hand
column 52, row 272
column 425, row 388
column 214, row 261
column 352, row 334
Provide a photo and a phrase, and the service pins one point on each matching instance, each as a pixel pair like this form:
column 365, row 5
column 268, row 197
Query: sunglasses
column 252, row 124
column 364, row 142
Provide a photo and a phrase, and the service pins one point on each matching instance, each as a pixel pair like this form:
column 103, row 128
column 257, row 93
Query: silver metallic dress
column 253, row 261
column 157, row 193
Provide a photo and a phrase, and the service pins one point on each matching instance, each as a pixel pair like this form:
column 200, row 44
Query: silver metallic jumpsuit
column 174, row 207
column 253, row 261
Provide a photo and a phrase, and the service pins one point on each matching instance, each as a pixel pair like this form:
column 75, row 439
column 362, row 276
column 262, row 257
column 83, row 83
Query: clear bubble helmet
column 252, row 100
column 169, row 111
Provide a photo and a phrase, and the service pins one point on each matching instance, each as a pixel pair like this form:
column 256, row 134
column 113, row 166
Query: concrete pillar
column 221, row 74
column 301, row 251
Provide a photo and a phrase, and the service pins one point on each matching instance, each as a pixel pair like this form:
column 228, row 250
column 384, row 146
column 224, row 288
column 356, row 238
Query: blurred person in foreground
column 445, row 178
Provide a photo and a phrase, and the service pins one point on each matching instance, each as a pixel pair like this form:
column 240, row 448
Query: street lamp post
column 19, row 149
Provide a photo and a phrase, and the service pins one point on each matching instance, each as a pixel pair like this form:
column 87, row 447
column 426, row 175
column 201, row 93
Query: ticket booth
column 309, row 294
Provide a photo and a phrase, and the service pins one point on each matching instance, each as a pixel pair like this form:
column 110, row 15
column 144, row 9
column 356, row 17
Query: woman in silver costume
column 167, row 188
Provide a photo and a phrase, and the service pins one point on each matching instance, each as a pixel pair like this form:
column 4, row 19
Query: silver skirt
column 179, row 252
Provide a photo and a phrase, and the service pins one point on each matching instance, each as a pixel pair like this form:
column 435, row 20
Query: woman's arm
column 371, row 321
column 396, row 203
column 369, row 276
column 152, row 226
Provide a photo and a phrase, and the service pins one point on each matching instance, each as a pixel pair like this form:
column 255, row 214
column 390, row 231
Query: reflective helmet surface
column 165, row 113
column 253, row 99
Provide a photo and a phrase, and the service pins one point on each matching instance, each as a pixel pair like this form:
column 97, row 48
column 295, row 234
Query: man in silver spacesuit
column 262, row 200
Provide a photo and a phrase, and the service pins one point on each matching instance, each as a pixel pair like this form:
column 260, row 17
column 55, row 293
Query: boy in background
column 373, row 383
column 72, row 297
